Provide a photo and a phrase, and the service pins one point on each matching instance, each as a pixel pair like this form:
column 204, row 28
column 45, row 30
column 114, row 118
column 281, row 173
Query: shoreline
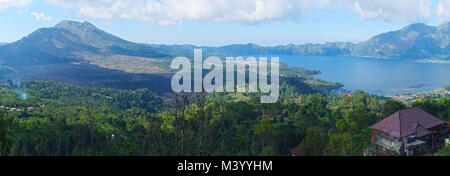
column 437, row 93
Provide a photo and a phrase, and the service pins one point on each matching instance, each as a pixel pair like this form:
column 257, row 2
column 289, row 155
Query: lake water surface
column 376, row 76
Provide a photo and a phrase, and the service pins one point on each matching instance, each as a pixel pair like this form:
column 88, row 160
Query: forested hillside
column 49, row 118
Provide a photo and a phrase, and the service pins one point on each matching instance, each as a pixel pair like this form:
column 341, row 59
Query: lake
column 376, row 76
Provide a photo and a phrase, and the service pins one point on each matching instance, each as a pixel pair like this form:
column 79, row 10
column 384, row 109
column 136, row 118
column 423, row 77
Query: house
column 295, row 151
column 409, row 132
column 348, row 94
column 268, row 116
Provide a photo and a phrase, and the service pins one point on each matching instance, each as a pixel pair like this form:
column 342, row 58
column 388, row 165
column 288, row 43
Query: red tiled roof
column 267, row 116
column 420, row 131
column 295, row 151
column 407, row 122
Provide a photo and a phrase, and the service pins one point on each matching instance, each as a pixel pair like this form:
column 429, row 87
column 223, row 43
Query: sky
column 223, row 22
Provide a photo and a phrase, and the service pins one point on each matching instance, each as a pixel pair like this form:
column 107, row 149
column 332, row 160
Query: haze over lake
column 376, row 76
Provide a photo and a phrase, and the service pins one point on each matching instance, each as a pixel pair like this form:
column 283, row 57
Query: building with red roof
column 295, row 151
column 410, row 132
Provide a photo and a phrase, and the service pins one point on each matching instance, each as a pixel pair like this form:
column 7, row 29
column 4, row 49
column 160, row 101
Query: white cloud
column 41, row 16
column 443, row 10
column 173, row 12
column 6, row 4
column 169, row 12
column 393, row 10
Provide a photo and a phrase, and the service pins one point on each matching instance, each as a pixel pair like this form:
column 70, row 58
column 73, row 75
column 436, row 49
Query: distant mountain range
column 2, row 43
column 416, row 41
column 71, row 41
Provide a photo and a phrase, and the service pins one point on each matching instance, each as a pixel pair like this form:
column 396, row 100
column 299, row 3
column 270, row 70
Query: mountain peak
column 67, row 23
column 76, row 27
column 419, row 27
column 66, row 41
column 90, row 34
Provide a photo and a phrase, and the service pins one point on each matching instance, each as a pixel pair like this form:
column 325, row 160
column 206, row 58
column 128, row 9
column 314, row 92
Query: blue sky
column 227, row 22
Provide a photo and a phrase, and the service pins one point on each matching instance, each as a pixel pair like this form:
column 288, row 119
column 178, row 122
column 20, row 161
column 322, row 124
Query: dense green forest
column 42, row 118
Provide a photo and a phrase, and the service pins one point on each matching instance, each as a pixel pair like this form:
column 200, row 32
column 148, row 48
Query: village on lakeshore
column 438, row 93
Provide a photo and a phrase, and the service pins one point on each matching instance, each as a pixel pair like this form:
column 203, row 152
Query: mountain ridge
column 68, row 41
column 417, row 41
